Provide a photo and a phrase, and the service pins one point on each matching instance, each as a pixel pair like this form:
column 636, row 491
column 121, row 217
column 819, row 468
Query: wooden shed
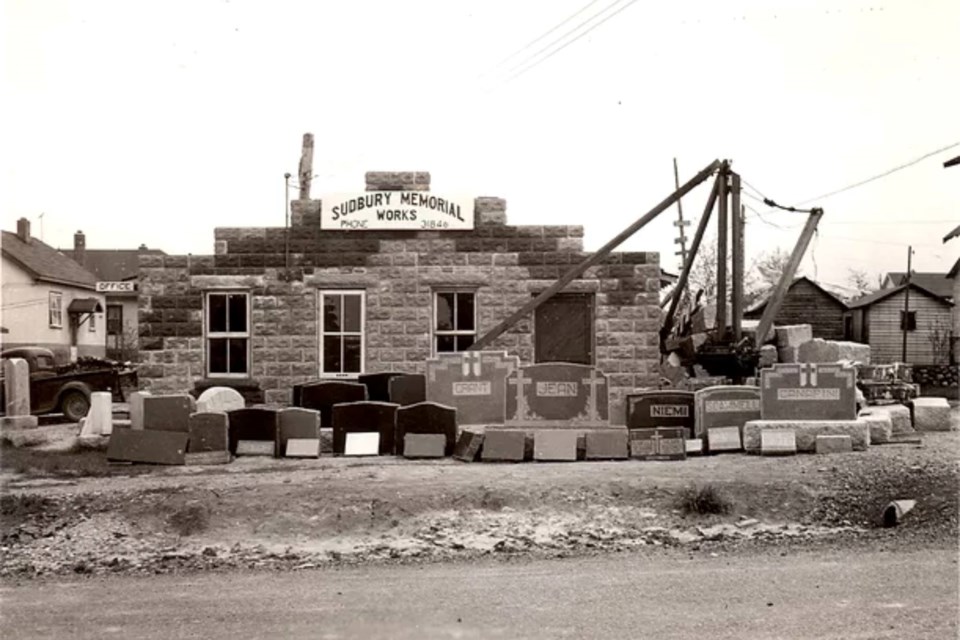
column 806, row 302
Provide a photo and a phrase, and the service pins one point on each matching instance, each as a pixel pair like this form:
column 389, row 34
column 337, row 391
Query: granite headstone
column 168, row 412
column 149, row 446
column 424, row 445
column 660, row 443
column 468, row 445
column 254, row 423
column 323, row 395
column 557, row 395
column 408, row 388
column 474, row 382
column 220, row 399
column 551, row 445
column 652, row 409
column 365, row 417
column 378, row 385
column 296, row 422
column 428, row 418
column 725, row 406
column 808, row 392
column 208, row 432
column 504, row 446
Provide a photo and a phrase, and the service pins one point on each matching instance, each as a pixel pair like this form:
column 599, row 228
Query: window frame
column 118, row 319
column 435, row 332
column 235, row 335
column 92, row 328
column 321, row 333
column 908, row 325
column 58, row 308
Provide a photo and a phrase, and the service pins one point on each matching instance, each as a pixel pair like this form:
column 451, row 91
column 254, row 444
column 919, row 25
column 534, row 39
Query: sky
column 155, row 122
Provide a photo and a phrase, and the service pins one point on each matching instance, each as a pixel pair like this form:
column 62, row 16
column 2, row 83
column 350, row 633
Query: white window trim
column 362, row 333
column 93, row 323
column 434, row 332
column 58, row 296
column 207, row 336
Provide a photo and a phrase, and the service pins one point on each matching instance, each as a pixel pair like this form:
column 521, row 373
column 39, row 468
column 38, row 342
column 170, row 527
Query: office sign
column 396, row 211
column 126, row 286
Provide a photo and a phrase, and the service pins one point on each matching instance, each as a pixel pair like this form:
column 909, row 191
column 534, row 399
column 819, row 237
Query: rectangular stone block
column 931, row 414
column 607, row 445
column 725, row 406
column 693, row 447
column 428, row 418
column 808, row 392
column 834, row 444
column 424, row 445
column 168, row 412
column 255, row 448
column 407, row 389
column 555, row 445
column 361, row 444
column 806, row 432
column 503, row 446
column 207, row 457
column 302, row 448
column 881, row 428
column 663, row 443
column 136, row 408
column 793, row 335
column 365, row 417
column 778, row 443
column 208, row 432
column 720, row 439
column 254, row 423
column 148, row 446
column 298, row 423
column 15, row 423
column 901, row 421
column 788, row 355
column 652, row 409
column 468, row 446
column 16, row 387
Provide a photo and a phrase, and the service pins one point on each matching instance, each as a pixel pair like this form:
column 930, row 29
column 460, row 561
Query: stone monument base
column 18, row 422
column 806, row 432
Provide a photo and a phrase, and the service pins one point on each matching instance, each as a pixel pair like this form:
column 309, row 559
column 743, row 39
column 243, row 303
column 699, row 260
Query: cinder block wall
column 398, row 270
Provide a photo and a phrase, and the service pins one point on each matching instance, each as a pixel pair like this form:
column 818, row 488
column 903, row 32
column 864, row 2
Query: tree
column 769, row 268
column 859, row 281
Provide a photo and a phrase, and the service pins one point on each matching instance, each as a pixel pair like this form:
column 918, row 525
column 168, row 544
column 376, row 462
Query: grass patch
column 189, row 519
column 704, row 500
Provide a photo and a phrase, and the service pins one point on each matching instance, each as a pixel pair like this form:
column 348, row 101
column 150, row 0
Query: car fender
column 75, row 385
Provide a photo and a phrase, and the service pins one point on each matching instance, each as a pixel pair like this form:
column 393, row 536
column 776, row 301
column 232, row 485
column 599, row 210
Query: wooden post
column 596, row 258
column 906, row 305
column 721, row 301
column 736, row 235
column 776, row 299
column 680, row 223
column 305, row 175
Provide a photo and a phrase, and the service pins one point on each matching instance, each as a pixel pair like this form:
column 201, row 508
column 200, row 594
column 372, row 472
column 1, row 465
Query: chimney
column 305, row 175
column 79, row 248
column 398, row 180
column 23, row 229
column 142, row 247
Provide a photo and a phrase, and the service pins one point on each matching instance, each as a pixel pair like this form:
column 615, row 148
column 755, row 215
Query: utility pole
column 680, row 223
column 286, row 221
column 41, row 227
column 906, row 305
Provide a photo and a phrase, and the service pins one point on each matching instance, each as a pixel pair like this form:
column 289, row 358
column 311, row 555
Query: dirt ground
column 60, row 517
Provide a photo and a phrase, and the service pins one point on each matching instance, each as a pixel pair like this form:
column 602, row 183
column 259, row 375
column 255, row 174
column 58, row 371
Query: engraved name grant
column 407, row 198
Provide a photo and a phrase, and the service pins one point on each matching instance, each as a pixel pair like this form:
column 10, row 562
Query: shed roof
column 762, row 302
column 882, row 294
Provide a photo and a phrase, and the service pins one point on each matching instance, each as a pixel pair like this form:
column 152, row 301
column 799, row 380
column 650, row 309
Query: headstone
column 100, row 415
column 720, row 439
column 694, row 447
column 254, row 423
column 900, row 419
column 726, row 406
column 168, row 412
column 206, row 457
column 468, row 446
column 408, row 388
column 428, row 418
column 504, row 446
column 663, row 443
column 16, row 387
column 652, row 409
column 834, row 444
column 149, row 446
column 220, row 399
column 296, row 422
column 302, row 448
column 607, row 445
column 361, row 444
column 474, row 382
column 424, row 445
column 808, row 392
column 136, row 408
column 806, row 432
column 778, row 443
column 555, row 445
column 208, row 432
column 931, row 414
column 557, row 394
column 378, row 385
column 365, row 417
column 323, row 395
column 256, row 448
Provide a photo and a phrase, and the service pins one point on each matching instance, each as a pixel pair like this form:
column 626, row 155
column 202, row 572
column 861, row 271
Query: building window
column 911, row 321
column 341, row 333
column 56, row 309
column 93, row 323
column 454, row 320
column 228, row 334
column 114, row 319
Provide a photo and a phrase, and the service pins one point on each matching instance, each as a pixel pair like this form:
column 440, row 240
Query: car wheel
column 74, row 405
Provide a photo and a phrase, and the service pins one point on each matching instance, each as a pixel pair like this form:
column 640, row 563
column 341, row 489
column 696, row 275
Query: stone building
column 275, row 307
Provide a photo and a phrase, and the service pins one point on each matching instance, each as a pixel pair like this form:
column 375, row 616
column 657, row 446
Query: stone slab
column 661, row 443
column 806, row 432
column 208, row 431
column 474, row 382
column 930, row 414
column 324, row 394
column 18, row 422
column 555, row 445
column 808, row 392
column 135, row 401
column 255, row 448
column 302, row 448
column 299, row 423
column 424, row 445
column 693, row 446
column 834, row 444
column 818, row 350
column 558, row 395
column 724, row 439
column 901, row 421
column 378, row 385
column 365, row 417
column 503, row 446
column 100, row 415
column 254, row 423
column 220, row 399
column 725, row 406
column 207, row 457
column 168, row 412
column 652, row 409
column 793, row 335
column 778, row 443
column 881, row 427
column 468, row 446
column 360, row 443
column 428, row 418
column 147, row 446
column 607, row 445
column 788, row 355
column 326, row 441
column 408, row 388
column 16, row 387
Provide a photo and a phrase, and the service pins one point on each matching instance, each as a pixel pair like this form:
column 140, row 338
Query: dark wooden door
column 563, row 329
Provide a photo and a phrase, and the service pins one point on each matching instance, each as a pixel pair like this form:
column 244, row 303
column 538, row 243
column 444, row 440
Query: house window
column 341, row 333
column 911, row 320
column 228, row 334
column 93, row 323
column 56, row 309
column 114, row 319
column 454, row 320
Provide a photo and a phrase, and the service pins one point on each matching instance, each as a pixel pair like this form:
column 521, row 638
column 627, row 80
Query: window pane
column 332, row 306
column 238, row 355
column 238, row 312
column 351, row 312
column 464, row 312
column 351, row 354
column 217, row 313
column 445, row 311
column 445, row 344
column 331, row 354
column 464, row 342
column 217, row 355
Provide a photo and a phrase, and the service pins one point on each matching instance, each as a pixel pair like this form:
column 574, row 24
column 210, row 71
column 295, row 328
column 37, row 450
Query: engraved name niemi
column 732, row 406
column 669, row 411
column 480, row 388
column 558, row 389
column 808, row 394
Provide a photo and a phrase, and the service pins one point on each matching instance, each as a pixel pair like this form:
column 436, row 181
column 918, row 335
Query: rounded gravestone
column 220, row 399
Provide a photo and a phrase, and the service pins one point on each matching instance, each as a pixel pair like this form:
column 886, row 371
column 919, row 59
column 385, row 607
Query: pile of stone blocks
column 796, row 344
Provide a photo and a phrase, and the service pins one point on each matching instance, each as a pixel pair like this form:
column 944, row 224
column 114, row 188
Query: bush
column 705, row 500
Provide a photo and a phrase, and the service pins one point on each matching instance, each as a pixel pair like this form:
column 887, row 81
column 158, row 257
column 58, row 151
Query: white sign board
column 126, row 286
column 362, row 444
column 396, row 211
